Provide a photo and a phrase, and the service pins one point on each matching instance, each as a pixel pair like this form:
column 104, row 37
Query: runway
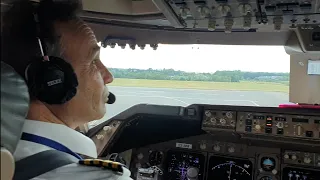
column 130, row 96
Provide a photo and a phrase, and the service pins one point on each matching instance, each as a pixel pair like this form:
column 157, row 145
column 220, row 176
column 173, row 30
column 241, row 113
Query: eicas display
column 224, row 168
column 290, row 173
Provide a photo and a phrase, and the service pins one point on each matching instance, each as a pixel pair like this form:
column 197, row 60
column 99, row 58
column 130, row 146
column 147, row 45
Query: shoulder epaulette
column 107, row 164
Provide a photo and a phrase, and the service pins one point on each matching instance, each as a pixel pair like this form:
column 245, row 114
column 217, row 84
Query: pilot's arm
column 82, row 172
column 76, row 142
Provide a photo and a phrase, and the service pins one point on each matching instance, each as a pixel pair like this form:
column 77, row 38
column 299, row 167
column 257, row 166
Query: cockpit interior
column 205, row 141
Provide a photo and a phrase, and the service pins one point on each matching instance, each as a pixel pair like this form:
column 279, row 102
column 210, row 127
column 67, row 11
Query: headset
column 50, row 79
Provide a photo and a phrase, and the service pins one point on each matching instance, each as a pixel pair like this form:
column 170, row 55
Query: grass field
column 241, row 86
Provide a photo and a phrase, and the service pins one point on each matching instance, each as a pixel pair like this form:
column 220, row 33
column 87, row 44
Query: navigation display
column 225, row 168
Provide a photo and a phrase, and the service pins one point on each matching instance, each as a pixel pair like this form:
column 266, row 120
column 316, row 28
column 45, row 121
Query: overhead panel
column 209, row 21
column 243, row 15
column 121, row 7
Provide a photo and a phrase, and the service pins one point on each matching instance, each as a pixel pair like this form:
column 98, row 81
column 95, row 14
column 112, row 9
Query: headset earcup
column 52, row 82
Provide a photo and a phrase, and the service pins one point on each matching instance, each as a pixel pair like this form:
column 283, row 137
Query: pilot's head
column 67, row 37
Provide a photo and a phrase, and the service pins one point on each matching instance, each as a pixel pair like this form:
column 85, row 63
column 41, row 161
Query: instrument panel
column 187, row 159
column 270, row 124
column 234, row 143
column 238, row 145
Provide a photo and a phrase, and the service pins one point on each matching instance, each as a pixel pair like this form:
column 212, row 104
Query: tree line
column 218, row 76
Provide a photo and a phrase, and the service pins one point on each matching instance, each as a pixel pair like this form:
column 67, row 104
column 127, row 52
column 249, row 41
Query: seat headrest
column 14, row 106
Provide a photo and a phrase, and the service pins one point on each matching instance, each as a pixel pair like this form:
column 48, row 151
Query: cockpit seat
column 14, row 108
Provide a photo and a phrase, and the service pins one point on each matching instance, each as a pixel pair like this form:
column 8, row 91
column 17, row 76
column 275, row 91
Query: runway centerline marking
column 178, row 99
column 144, row 92
column 173, row 98
column 245, row 100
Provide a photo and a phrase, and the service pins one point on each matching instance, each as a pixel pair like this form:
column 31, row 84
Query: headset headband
column 44, row 54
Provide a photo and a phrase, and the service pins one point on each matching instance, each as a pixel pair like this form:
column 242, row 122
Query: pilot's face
column 79, row 48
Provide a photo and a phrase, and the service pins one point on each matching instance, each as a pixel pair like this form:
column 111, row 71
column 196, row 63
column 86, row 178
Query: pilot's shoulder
column 89, row 169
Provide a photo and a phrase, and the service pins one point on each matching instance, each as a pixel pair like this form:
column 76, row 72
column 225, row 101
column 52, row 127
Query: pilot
column 52, row 30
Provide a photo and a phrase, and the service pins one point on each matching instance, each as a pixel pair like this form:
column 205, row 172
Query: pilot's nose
column 106, row 74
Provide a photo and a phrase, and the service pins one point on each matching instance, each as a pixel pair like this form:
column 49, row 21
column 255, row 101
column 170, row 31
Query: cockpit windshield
column 181, row 75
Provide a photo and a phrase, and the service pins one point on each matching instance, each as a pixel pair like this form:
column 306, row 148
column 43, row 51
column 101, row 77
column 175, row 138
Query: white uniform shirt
column 73, row 140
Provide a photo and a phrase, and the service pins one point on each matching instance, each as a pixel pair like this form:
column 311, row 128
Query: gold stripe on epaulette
column 104, row 164
column 107, row 164
column 96, row 162
column 88, row 162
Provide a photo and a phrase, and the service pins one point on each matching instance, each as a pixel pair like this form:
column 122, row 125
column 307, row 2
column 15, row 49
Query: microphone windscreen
column 111, row 98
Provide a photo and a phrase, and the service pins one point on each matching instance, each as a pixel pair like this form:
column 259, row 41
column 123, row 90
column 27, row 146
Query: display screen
column 258, row 117
column 314, row 67
column 316, row 36
column 280, row 119
column 290, row 173
column 300, row 120
column 225, row 168
column 179, row 162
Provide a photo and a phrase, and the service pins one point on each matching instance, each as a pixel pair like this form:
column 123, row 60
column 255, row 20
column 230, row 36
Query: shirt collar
column 64, row 135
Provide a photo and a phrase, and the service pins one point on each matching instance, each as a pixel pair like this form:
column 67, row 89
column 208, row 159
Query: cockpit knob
column 286, row 156
column 113, row 45
column 204, row 11
column 293, row 157
column 107, row 129
column 154, row 46
column 123, row 46
column 224, row 9
column 307, row 160
column 140, row 156
column 279, row 125
column 274, row 171
column 203, row 146
column 100, row 137
column 192, row 173
column 132, row 46
column 257, row 127
column 231, row 149
column 244, row 8
column 229, row 115
column 223, row 121
column 213, row 121
column 208, row 113
column 216, row 147
column 142, row 46
column 184, row 12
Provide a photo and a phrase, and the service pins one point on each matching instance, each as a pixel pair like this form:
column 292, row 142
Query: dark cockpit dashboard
column 206, row 142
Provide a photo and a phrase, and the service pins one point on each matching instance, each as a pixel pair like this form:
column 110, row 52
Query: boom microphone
column 111, row 98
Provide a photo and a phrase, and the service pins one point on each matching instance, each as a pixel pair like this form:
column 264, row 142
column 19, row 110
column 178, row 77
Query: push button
column 248, row 128
column 309, row 133
column 268, row 130
column 280, row 131
column 248, row 122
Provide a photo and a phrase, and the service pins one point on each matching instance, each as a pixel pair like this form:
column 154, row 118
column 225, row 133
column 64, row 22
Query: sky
column 199, row 58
